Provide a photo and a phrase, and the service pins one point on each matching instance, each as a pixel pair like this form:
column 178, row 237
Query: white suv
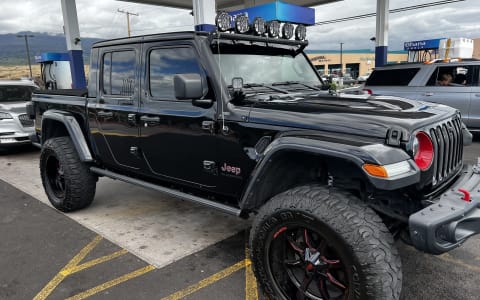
column 454, row 83
column 15, row 125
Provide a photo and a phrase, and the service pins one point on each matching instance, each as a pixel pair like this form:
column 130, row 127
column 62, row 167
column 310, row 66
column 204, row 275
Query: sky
column 101, row 19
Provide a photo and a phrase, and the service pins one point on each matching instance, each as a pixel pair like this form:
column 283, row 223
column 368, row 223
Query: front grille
column 447, row 139
column 25, row 120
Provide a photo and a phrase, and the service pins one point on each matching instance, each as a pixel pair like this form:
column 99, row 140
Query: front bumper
column 452, row 219
column 13, row 133
column 15, row 139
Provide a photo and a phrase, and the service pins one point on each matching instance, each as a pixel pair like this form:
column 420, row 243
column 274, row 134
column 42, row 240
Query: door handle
column 477, row 95
column 132, row 119
column 208, row 126
column 150, row 120
column 428, row 94
column 105, row 114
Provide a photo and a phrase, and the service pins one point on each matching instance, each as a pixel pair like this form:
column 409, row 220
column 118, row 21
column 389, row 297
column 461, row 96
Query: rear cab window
column 392, row 77
column 119, row 73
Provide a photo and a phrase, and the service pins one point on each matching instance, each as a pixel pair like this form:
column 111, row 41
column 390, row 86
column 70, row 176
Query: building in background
column 476, row 48
column 355, row 62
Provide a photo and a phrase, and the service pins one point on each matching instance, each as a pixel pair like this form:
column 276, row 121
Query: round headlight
column 300, row 33
column 223, row 21
column 259, row 26
column 423, row 155
column 273, row 28
column 241, row 24
column 287, row 31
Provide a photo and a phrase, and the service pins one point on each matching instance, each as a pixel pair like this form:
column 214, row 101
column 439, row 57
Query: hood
column 371, row 117
column 14, row 107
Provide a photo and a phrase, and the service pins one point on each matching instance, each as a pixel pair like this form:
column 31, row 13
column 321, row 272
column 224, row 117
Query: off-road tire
column 72, row 186
column 365, row 246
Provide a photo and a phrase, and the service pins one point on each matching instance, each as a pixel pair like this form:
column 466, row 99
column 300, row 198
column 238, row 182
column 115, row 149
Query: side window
column 392, row 77
column 119, row 73
column 452, row 76
column 164, row 64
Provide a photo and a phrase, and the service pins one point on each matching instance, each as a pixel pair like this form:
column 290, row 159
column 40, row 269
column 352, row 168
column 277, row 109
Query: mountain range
column 13, row 50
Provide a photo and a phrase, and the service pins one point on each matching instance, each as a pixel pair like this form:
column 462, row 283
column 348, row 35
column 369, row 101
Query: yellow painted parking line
column 209, row 280
column 447, row 257
column 251, row 289
column 112, row 283
column 93, row 262
column 48, row 289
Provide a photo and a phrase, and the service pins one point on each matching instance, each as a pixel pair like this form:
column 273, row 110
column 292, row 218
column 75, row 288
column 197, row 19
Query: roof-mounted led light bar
column 260, row 27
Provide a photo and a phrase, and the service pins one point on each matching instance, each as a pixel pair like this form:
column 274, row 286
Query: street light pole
column 26, row 36
column 341, row 59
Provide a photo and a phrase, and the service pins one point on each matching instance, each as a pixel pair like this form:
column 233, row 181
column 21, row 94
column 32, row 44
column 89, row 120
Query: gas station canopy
column 228, row 4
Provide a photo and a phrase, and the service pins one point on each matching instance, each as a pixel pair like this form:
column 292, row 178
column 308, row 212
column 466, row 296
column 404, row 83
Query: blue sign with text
column 422, row 45
column 51, row 56
column 280, row 11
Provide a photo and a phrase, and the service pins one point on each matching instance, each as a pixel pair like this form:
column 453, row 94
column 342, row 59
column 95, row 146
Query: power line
column 392, row 11
column 128, row 18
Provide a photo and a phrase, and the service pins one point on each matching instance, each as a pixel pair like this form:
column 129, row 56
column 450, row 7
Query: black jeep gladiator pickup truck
column 242, row 124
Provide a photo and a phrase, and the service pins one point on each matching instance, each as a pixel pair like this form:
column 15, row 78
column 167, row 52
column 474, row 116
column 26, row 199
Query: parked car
column 423, row 81
column 15, row 125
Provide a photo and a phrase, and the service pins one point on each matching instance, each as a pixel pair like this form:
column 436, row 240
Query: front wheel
column 313, row 242
column 67, row 180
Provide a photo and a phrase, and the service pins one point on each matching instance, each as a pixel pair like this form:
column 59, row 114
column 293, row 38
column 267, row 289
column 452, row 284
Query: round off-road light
column 241, row 24
column 300, row 33
column 259, row 26
column 287, row 31
column 223, row 21
column 273, row 28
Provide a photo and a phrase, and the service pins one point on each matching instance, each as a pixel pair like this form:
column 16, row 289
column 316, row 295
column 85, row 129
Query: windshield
column 267, row 68
column 12, row 93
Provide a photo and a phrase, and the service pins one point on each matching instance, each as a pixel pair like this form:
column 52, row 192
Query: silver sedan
column 15, row 125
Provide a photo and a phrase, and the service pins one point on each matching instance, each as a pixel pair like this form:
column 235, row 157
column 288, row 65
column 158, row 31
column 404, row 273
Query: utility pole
column 341, row 59
column 128, row 18
column 26, row 36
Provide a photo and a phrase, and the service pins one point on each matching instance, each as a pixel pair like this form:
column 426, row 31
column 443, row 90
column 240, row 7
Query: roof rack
column 449, row 60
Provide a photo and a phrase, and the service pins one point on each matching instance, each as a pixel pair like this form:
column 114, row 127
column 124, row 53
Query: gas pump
column 55, row 70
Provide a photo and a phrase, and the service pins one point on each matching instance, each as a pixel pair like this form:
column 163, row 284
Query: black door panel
column 118, row 101
column 173, row 142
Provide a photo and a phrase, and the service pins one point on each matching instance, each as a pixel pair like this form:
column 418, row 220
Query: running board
column 171, row 192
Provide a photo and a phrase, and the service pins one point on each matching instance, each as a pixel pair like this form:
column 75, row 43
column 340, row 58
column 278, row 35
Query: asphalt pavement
column 45, row 254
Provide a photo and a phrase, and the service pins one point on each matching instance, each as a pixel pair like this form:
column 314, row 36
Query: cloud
column 101, row 19
column 451, row 20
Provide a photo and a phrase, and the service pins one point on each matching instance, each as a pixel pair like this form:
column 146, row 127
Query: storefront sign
column 420, row 45
column 320, row 58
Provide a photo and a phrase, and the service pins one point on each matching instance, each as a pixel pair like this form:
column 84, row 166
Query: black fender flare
column 74, row 130
column 358, row 155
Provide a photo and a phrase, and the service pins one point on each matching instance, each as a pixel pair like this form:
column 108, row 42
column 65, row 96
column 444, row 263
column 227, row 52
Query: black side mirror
column 188, row 86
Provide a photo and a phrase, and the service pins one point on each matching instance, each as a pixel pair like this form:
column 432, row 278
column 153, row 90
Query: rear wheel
column 68, row 182
column 312, row 242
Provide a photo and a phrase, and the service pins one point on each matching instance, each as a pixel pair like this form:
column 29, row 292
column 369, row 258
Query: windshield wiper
column 297, row 82
column 257, row 85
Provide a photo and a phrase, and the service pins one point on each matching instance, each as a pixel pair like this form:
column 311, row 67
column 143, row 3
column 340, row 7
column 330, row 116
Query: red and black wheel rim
column 304, row 265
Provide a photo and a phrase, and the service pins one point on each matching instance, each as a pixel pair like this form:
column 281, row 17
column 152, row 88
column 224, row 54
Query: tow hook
column 466, row 195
